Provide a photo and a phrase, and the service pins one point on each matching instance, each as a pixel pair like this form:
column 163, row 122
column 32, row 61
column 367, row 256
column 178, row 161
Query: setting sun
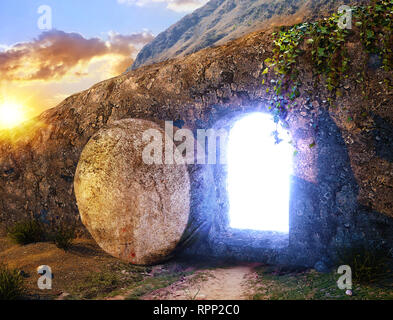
column 11, row 115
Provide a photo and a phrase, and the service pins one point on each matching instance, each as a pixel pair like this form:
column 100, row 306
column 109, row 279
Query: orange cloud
column 41, row 73
column 56, row 54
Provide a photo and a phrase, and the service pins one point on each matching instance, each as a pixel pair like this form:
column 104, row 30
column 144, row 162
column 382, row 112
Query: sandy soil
column 231, row 283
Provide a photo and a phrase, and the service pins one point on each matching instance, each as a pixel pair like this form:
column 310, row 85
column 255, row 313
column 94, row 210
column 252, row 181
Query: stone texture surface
column 135, row 211
column 342, row 187
column 219, row 21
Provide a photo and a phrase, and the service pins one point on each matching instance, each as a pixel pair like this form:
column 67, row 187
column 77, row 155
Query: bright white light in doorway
column 259, row 172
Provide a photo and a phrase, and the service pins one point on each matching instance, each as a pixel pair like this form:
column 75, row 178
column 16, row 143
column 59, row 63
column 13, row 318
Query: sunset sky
column 90, row 40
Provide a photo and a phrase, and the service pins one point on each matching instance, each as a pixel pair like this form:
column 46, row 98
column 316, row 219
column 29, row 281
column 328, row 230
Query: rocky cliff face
column 222, row 20
column 343, row 171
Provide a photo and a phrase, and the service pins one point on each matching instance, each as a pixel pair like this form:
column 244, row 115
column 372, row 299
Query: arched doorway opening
column 260, row 157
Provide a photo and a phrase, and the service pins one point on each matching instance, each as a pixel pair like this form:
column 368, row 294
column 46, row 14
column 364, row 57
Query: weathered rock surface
column 343, row 186
column 135, row 211
column 220, row 21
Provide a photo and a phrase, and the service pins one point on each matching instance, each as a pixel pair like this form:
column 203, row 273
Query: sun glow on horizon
column 12, row 114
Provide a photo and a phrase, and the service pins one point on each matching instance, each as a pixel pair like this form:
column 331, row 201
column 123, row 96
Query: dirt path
column 232, row 283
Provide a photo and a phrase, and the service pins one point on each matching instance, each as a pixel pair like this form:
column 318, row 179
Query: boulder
column 135, row 211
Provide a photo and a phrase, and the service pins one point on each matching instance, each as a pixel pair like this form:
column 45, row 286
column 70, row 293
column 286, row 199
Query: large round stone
column 135, row 211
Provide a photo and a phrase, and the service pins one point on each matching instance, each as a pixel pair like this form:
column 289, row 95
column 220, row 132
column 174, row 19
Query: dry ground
column 86, row 272
column 68, row 267
column 225, row 283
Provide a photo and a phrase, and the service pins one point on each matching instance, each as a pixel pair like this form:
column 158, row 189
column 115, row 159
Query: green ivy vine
column 324, row 42
column 375, row 22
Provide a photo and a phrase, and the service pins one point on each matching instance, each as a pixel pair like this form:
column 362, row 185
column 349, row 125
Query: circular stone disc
column 135, row 211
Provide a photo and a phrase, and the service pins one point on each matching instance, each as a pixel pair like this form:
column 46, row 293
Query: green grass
column 11, row 284
column 369, row 263
column 122, row 279
column 108, row 282
column 26, row 232
column 96, row 285
column 311, row 285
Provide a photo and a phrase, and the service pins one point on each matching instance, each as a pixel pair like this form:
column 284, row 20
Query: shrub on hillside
column 26, row 232
column 11, row 284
